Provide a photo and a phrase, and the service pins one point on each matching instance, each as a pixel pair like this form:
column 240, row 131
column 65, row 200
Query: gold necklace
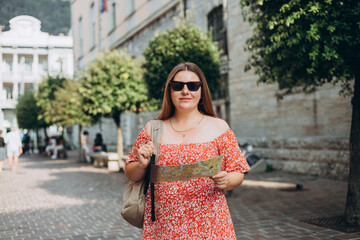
column 184, row 132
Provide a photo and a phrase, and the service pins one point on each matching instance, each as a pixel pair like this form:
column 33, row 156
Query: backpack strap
column 156, row 132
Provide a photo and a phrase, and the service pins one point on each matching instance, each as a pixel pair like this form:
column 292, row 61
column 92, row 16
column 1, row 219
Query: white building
column 26, row 56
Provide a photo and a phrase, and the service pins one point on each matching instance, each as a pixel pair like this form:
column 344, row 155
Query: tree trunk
column 352, row 210
column 64, row 142
column 38, row 140
column 81, row 151
column 119, row 147
column 46, row 138
column 120, row 150
column 45, row 133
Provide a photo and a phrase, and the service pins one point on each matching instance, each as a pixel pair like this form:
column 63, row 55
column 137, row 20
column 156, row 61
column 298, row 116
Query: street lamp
column 61, row 65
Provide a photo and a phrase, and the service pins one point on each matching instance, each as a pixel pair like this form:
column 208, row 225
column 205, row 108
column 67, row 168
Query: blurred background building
column 26, row 56
column 301, row 133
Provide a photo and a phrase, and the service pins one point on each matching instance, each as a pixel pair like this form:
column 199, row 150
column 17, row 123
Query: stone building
column 301, row 133
column 26, row 56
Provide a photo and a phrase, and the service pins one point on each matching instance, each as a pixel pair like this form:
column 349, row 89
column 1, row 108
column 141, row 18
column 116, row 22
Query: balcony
column 27, row 77
column 8, row 103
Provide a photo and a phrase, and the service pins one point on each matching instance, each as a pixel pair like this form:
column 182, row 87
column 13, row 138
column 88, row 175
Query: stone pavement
column 63, row 199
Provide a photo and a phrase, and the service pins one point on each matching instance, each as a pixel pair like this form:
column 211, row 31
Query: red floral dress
column 193, row 209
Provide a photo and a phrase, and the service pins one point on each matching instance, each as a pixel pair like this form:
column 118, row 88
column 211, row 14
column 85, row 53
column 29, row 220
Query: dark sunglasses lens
column 193, row 86
column 177, row 86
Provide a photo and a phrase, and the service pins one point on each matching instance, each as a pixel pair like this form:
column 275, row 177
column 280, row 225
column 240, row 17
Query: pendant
column 184, row 135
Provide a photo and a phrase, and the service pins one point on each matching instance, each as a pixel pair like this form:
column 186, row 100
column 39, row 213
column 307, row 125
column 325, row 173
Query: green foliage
column 186, row 42
column 53, row 14
column 304, row 43
column 27, row 112
column 46, row 96
column 113, row 84
column 67, row 107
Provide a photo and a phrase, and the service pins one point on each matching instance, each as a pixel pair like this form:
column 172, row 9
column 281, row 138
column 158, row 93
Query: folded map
column 184, row 172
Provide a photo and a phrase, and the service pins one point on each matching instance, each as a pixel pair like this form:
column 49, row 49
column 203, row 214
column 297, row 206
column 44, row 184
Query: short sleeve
column 142, row 138
column 233, row 160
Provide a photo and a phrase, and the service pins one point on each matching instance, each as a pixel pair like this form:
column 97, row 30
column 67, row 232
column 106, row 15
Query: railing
column 8, row 103
column 25, row 76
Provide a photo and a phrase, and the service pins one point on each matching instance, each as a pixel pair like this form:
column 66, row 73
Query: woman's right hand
column 144, row 154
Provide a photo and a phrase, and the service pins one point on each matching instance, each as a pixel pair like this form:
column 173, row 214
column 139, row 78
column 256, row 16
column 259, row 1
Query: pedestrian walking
column 13, row 147
column 85, row 146
column 26, row 143
column 2, row 151
column 194, row 208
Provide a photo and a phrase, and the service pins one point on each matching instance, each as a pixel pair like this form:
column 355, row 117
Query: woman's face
column 185, row 99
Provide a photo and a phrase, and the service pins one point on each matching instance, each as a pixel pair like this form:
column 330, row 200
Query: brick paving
column 64, row 199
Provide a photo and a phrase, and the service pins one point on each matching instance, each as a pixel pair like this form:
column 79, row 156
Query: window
column 9, row 90
column 130, row 7
column 93, row 27
column 81, row 38
column 43, row 67
column 8, row 65
column 112, row 15
column 28, row 65
column 216, row 23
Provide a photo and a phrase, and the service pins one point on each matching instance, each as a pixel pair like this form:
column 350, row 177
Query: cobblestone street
column 63, row 199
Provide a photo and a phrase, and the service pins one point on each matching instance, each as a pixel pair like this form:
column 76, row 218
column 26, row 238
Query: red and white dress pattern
column 193, row 209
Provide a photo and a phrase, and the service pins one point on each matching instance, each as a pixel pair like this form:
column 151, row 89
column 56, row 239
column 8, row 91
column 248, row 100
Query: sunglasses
column 178, row 86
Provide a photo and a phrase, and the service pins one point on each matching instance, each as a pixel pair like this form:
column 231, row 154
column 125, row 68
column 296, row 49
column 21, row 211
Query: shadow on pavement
column 99, row 186
column 86, row 221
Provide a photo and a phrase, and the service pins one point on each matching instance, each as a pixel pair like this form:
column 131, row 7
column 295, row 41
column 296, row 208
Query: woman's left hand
column 221, row 180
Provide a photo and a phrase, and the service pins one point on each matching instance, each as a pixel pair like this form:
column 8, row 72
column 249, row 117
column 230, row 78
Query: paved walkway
column 63, row 199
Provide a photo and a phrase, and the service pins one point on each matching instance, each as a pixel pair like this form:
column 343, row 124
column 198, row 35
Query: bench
column 62, row 152
column 107, row 159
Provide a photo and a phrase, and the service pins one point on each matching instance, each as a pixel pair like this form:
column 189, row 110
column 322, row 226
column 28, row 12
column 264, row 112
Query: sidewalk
column 272, row 212
column 64, row 199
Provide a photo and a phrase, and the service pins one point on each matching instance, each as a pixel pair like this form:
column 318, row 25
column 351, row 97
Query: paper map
column 170, row 173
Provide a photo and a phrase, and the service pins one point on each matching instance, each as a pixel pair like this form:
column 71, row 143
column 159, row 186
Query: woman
column 197, row 208
column 98, row 144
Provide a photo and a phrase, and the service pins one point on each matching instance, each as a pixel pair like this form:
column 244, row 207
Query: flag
column 103, row 6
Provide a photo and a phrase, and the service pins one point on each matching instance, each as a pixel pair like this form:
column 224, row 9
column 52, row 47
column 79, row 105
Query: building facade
column 26, row 56
column 301, row 133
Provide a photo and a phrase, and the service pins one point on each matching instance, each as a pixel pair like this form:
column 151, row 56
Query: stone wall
column 321, row 156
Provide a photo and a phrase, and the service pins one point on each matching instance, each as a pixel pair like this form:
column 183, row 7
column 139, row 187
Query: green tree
column 67, row 109
column 185, row 42
column 113, row 84
column 27, row 113
column 45, row 96
column 300, row 43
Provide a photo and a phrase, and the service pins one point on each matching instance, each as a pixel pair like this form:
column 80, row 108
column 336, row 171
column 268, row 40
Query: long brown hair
column 205, row 104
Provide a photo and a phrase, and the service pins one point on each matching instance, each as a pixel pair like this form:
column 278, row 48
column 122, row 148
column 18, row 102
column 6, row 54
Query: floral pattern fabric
column 193, row 209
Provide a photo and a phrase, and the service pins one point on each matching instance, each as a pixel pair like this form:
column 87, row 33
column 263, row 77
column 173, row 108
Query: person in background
column 59, row 146
column 84, row 145
column 49, row 149
column 99, row 146
column 26, row 143
column 31, row 145
column 13, row 147
column 2, row 151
